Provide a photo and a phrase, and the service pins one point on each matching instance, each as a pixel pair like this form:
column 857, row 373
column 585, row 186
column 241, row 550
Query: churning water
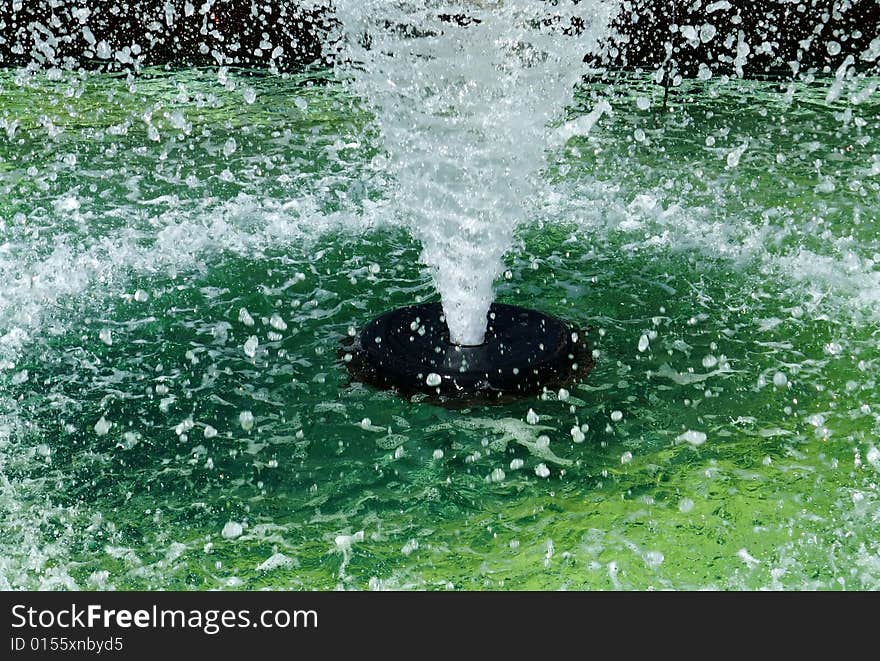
column 182, row 251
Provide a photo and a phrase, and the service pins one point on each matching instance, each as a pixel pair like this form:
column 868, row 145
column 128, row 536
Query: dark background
column 286, row 35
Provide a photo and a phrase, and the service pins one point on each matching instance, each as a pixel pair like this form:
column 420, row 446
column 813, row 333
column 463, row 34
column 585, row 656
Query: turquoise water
column 181, row 254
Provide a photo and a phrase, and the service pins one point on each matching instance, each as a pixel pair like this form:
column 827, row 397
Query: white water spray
column 466, row 94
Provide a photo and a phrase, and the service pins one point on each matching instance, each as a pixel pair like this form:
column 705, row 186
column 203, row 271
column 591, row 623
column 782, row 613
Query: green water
column 728, row 430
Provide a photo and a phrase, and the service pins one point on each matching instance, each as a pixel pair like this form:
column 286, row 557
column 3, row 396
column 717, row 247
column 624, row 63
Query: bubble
column 229, row 147
column 833, row 48
column 210, row 432
column 516, row 464
column 541, row 470
column 250, row 95
column 617, row 416
column 433, row 379
column 643, row 343
column 685, row 505
column 626, row 457
column 438, row 454
column 779, row 379
column 532, row 417
column 246, row 419
column 577, row 435
column 642, row 103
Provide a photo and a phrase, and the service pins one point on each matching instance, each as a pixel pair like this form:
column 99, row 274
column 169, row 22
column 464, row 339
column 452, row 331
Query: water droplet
column 707, row 32
column 102, row 426
column 532, row 417
column 245, row 317
column 617, row 416
column 232, row 529
column 246, row 419
column 433, row 379
column 541, row 470
column 276, row 322
column 734, row 156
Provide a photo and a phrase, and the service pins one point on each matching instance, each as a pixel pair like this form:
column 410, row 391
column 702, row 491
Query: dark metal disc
column 524, row 351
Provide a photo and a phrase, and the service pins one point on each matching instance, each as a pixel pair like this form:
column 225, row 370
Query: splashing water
column 465, row 95
column 181, row 250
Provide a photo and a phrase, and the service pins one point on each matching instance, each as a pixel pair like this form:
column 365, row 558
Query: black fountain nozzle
column 524, row 352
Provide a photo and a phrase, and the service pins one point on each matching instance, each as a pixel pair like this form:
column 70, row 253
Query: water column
column 465, row 94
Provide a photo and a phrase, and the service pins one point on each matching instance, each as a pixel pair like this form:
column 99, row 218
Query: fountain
column 467, row 96
column 181, row 248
